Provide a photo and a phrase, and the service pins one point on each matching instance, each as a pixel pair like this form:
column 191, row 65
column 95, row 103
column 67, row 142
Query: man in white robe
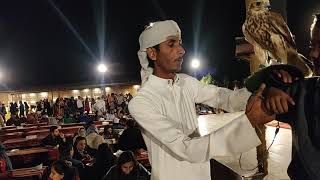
column 164, row 107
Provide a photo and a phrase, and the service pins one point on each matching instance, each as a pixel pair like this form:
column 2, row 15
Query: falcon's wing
column 280, row 26
column 256, row 37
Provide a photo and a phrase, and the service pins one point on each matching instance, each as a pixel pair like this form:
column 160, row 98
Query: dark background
column 39, row 49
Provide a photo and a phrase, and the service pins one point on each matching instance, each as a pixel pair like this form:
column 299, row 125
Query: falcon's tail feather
column 300, row 62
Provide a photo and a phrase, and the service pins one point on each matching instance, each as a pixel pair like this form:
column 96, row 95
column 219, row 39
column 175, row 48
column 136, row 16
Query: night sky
column 38, row 48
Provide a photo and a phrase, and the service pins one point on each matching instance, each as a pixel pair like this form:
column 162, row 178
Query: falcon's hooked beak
column 267, row 5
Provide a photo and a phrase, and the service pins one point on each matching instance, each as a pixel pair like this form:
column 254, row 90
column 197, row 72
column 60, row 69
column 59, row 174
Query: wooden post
column 262, row 154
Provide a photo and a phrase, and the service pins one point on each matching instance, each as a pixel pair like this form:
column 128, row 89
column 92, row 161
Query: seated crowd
column 108, row 152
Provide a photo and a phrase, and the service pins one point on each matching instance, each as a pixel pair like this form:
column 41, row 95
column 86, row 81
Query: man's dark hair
column 79, row 138
column 52, row 128
column 151, row 62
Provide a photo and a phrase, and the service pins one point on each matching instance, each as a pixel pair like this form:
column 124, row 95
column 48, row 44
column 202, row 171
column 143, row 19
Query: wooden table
column 72, row 124
column 46, row 126
column 8, row 127
column 21, row 129
column 39, row 132
column 39, row 124
column 22, row 142
column 102, row 122
column 70, row 130
column 32, row 156
column 65, row 130
column 14, row 135
column 24, row 174
column 23, row 152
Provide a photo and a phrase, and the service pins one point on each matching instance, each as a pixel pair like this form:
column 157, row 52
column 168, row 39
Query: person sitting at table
column 59, row 118
column 4, row 157
column 91, row 126
column 52, row 121
column 81, row 151
column 93, row 138
column 23, row 120
column 104, row 161
column 54, row 138
column 69, row 119
column 109, row 133
column 44, row 118
column 126, row 168
column 131, row 138
column 31, row 119
column 60, row 170
column 83, row 118
column 14, row 120
column 108, row 115
column 66, row 153
column 81, row 132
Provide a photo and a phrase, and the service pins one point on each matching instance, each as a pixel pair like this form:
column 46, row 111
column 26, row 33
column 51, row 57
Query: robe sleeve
column 218, row 97
column 235, row 137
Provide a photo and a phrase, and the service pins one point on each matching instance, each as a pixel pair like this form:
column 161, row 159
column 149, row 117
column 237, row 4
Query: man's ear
column 152, row 54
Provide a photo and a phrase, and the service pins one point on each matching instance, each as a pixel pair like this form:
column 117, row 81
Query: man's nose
column 181, row 50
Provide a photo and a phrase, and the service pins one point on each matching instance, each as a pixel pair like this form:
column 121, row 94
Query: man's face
column 81, row 145
column 170, row 55
column 56, row 132
column 315, row 48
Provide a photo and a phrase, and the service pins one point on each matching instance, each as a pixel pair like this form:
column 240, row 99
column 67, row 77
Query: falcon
column 269, row 34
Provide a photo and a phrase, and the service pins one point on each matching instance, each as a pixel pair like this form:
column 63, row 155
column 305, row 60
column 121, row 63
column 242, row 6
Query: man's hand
column 277, row 101
column 61, row 135
column 87, row 156
column 285, row 76
column 256, row 111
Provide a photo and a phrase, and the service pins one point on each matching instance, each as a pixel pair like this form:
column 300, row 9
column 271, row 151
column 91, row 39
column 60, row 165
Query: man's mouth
column 179, row 60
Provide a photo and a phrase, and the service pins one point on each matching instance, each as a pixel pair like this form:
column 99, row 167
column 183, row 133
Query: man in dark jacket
column 131, row 138
column 303, row 118
column 54, row 138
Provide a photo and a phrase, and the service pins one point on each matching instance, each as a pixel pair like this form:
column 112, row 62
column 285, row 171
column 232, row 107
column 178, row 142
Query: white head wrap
column 154, row 34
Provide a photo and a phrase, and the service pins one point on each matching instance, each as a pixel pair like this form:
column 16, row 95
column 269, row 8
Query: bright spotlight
column 102, row 68
column 44, row 94
column 108, row 89
column 86, row 90
column 136, row 86
column 97, row 90
column 195, row 63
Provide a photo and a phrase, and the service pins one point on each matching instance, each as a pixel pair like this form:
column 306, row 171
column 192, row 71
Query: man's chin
column 176, row 70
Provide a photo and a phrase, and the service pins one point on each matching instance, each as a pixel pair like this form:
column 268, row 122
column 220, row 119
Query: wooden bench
column 24, row 174
column 26, row 157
